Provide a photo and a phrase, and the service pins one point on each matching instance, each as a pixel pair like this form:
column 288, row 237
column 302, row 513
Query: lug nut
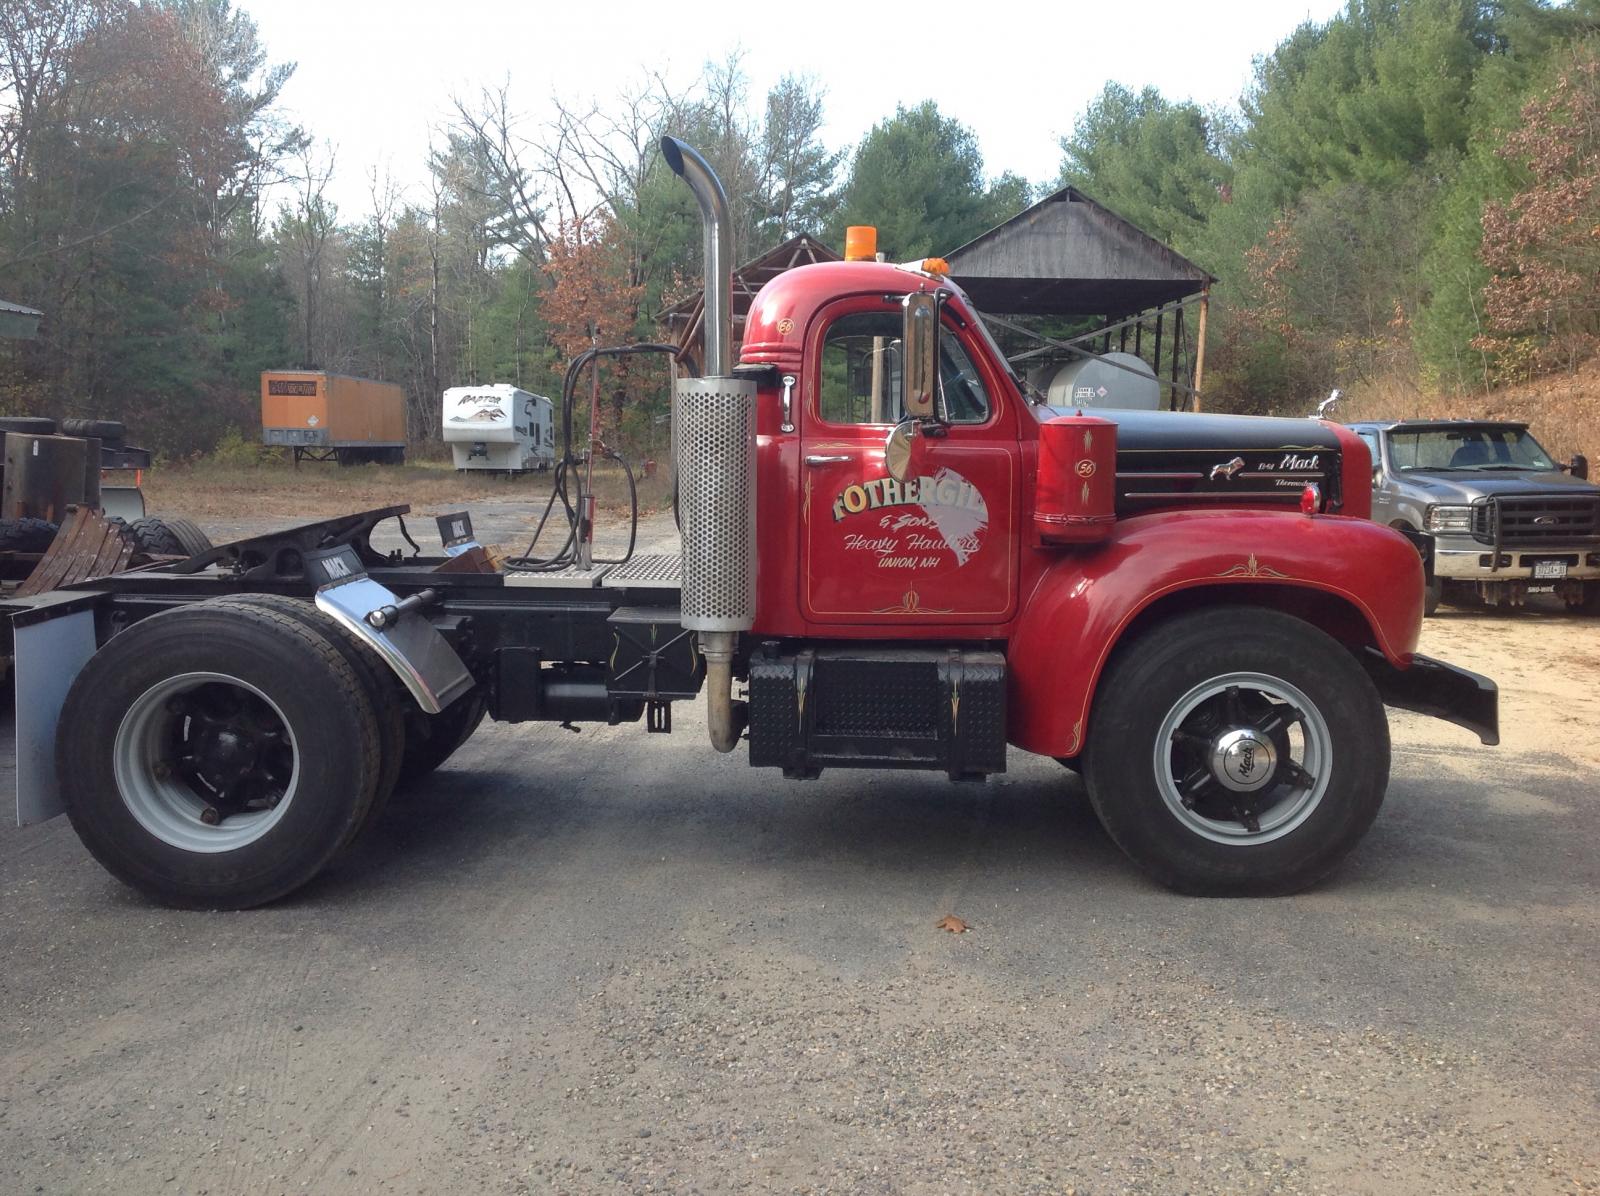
column 210, row 816
column 162, row 770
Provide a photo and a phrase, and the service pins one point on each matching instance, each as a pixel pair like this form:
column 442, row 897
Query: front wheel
column 1237, row 752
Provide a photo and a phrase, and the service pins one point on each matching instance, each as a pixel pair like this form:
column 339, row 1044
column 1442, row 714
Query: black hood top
column 1189, row 459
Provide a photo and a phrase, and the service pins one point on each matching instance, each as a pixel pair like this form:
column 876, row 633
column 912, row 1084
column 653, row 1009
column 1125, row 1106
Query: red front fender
column 1359, row 580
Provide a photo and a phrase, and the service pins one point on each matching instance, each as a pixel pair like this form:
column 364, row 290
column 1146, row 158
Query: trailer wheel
column 431, row 739
column 380, row 685
column 1237, row 752
column 216, row 756
column 161, row 536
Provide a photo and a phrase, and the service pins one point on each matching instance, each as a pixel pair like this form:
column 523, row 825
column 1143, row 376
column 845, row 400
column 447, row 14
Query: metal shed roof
column 18, row 322
column 1069, row 256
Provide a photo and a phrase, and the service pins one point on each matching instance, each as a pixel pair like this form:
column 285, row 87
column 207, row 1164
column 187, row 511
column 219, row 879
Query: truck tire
column 382, row 688
column 1181, row 721
column 26, row 535
column 1589, row 602
column 431, row 739
column 29, row 425
column 108, row 430
column 160, row 536
column 1432, row 596
column 216, row 756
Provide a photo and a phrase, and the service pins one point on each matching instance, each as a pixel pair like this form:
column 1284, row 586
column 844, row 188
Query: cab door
column 940, row 548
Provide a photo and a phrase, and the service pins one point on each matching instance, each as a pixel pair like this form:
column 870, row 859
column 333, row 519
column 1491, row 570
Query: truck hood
column 1461, row 486
column 1189, row 459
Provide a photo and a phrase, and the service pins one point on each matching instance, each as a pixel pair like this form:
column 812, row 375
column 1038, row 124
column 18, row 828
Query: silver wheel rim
column 1234, row 717
column 174, row 800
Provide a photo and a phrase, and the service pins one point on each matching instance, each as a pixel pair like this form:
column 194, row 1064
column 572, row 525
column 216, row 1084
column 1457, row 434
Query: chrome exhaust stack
column 714, row 446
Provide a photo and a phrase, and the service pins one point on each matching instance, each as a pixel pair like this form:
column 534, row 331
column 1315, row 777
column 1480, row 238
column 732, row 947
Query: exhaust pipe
column 717, row 227
column 714, row 443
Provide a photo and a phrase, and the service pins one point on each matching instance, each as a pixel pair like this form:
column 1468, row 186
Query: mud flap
column 1439, row 690
column 425, row 663
column 49, row 651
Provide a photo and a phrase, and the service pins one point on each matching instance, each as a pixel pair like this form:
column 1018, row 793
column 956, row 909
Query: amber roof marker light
column 860, row 243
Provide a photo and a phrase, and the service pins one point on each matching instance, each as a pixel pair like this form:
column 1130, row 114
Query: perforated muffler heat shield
column 715, row 445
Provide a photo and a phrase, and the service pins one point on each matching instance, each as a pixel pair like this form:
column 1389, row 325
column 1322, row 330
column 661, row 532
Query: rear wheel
column 431, row 739
column 216, row 756
column 380, row 685
column 1237, row 752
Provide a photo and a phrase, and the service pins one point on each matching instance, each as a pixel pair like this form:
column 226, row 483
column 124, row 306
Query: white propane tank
column 1096, row 382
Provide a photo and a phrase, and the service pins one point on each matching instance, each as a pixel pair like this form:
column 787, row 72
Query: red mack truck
column 893, row 556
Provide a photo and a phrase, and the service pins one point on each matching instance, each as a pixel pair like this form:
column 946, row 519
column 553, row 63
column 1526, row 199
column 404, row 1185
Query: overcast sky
column 373, row 77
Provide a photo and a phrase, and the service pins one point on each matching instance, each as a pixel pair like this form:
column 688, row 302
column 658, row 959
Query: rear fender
column 1359, row 581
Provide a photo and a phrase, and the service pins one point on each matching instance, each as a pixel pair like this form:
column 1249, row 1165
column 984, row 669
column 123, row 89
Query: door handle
column 827, row 458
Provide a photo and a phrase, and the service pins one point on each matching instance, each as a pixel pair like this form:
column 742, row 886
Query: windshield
column 1467, row 450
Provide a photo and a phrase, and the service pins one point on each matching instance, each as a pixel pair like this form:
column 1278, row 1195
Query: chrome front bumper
column 1472, row 561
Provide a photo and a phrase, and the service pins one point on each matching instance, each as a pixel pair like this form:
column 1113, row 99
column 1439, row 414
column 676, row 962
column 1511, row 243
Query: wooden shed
column 685, row 320
column 1068, row 256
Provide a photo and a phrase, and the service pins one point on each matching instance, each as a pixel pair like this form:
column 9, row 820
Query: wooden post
column 1200, row 347
column 1177, row 348
column 1156, row 366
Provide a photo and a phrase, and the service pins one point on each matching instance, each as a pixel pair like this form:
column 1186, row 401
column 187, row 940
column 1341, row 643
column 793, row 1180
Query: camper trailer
column 498, row 427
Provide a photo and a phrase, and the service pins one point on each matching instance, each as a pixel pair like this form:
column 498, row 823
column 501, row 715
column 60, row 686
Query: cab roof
column 1427, row 425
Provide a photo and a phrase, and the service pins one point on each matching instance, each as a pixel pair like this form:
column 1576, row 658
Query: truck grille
column 1535, row 519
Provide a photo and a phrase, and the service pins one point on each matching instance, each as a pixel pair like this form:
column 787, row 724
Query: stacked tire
column 166, row 536
column 236, row 746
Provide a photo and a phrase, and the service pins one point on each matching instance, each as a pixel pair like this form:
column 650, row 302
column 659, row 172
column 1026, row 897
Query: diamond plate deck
column 570, row 578
column 648, row 571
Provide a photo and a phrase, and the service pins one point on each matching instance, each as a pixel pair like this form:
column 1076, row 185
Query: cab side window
column 860, row 380
column 860, row 376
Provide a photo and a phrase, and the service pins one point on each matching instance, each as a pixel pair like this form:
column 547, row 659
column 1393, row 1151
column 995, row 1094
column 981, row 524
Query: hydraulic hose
column 567, row 555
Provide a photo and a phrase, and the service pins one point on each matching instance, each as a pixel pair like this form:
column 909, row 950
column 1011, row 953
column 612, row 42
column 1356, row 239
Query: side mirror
column 899, row 449
column 1579, row 467
column 920, row 342
column 1377, row 474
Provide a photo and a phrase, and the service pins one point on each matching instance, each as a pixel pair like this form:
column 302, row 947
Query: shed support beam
column 1200, row 348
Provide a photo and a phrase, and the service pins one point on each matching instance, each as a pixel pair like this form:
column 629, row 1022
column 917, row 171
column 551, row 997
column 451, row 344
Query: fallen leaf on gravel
column 951, row 923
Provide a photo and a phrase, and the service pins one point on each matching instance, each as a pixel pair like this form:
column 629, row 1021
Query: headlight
column 1449, row 519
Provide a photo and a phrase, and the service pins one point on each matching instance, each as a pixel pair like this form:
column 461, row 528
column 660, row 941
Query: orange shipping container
column 319, row 414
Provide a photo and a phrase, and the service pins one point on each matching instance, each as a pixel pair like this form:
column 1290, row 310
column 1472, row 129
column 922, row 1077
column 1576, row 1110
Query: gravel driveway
column 610, row 963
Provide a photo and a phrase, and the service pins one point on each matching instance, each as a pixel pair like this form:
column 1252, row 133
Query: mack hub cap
column 1243, row 760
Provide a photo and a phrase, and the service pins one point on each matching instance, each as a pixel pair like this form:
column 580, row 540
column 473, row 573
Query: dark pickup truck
column 1499, row 516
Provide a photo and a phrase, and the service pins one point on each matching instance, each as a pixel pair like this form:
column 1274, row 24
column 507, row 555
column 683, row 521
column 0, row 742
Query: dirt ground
column 601, row 963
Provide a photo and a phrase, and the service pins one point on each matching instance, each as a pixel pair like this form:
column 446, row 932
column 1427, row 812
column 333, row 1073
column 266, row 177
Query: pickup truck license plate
column 1549, row 570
